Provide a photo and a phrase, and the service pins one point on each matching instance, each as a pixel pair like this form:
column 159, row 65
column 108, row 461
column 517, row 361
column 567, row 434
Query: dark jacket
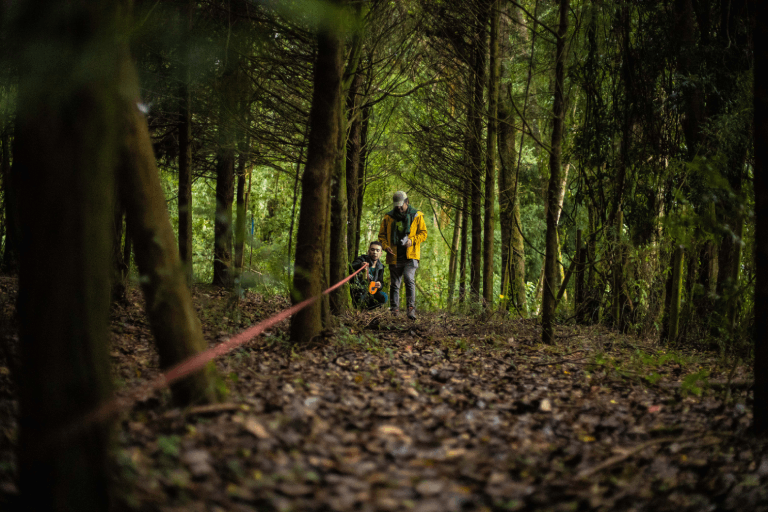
column 375, row 272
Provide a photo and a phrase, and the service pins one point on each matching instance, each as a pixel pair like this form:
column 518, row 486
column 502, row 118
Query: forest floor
column 448, row 413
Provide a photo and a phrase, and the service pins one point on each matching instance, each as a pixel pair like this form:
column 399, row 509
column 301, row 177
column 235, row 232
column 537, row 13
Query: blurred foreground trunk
column 66, row 148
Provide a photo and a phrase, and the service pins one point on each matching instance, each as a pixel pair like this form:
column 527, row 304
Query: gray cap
column 399, row 198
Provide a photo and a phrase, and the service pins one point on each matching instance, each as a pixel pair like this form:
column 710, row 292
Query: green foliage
column 169, row 445
column 695, row 383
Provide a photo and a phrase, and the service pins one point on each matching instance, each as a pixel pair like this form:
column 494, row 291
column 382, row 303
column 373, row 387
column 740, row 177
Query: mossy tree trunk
column 490, row 153
column 512, row 243
column 65, row 151
column 555, row 182
column 223, row 271
column 340, row 299
column 354, row 171
column 172, row 317
column 311, row 237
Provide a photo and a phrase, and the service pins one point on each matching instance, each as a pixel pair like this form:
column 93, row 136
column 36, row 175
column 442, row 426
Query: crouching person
column 366, row 286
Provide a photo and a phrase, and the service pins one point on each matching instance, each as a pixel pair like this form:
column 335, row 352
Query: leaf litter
column 450, row 413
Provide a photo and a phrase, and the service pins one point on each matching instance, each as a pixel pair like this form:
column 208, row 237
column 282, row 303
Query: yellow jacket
column 417, row 234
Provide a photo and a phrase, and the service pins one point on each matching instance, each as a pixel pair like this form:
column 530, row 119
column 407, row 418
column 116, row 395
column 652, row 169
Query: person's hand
column 378, row 284
column 408, row 243
column 390, row 251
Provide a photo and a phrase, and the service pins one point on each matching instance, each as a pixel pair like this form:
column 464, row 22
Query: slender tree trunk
column 240, row 208
column 127, row 252
column 454, row 260
column 225, row 177
column 340, row 299
column 617, row 283
column 676, row 292
column 366, row 112
column 761, row 220
column 295, row 194
column 5, row 174
column 463, row 252
column 339, row 246
column 64, row 155
column 118, row 266
column 185, row 148
column 475, row 149
column 512, row 244
column 12, row 229
column 353, row 165
column 578, row 299
column 490, row 154
column 310, row 259
column 555, row 182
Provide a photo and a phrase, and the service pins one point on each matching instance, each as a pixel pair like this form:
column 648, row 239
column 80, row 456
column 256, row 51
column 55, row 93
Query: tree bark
column 463, row 251
column 64, row 155
column 362, row 166
column 340, row 299
column 172, row 317
column 475, row 149
column 225, row 176
column 555, row 179
column 119, row 275
column 241, row 208
column 11, row 249
column 512, row 243
column 454, row 259
column 490, row 154
column 353, row 165
column 310, row 259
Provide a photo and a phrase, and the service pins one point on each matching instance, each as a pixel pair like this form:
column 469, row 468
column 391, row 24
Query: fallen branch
column 586, row 473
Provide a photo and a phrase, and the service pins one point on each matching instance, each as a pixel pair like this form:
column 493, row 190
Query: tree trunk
column 225, row 176
column 171, row 314
column 578, row 299
column 185, row 147
column 676, row 292
column 64, row 155
column 512, row 244
column 555, row 179
column 10, row 251
column 340, row 299
column 454, row 260
column 241, row 207
column 490, row 154
column 761, row 220
column 323, row 146
column 5, row 173
column 617, row 283
column 353, row 165
column 463, row 251
column 475, row 149
column 366, row 113
column 119, row 275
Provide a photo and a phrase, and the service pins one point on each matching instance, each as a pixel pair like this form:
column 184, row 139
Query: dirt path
column 450, row 413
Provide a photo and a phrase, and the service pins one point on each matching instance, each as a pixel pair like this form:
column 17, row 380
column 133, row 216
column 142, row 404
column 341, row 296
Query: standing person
column 401, row 233
column 373, row 275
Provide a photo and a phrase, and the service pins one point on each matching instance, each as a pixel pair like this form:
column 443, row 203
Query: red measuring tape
column 198, row 361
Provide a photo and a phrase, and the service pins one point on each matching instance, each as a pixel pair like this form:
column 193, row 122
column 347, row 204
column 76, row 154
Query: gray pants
column 396, row 274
